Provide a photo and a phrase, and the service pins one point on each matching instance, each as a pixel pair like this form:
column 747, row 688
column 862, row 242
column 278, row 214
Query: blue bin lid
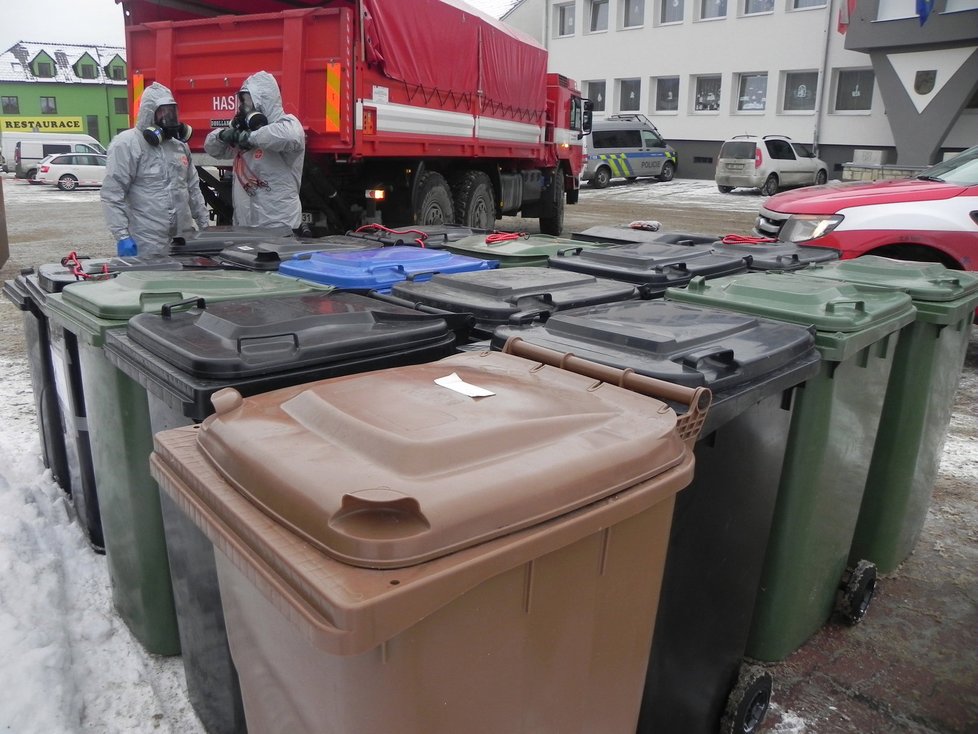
column 378, row 269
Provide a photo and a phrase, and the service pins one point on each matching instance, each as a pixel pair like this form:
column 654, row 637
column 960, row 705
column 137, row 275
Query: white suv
column 769, row 162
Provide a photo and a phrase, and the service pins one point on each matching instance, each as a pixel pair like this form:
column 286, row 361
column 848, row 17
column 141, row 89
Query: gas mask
column 248, row 118
column 168, row 126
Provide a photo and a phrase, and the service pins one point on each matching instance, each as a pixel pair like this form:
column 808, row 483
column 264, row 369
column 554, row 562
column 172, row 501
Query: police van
column 626, row 146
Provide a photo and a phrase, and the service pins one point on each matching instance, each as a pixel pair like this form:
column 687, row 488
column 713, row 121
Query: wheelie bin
column 470, row 563
column 183, row 358
column 516, row 250
column 268, row 256
column 520, row 295
column 913, row 425
column 212, row 240
column 654, row 267
column 419, row 235
column 623, row 234
column 117, row 415
column 779, row 255
column 697, row 675
column 830, row 442
column 378, row 269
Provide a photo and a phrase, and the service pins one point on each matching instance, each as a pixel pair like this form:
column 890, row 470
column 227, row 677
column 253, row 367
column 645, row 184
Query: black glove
column 244, row 140
column 228, row 136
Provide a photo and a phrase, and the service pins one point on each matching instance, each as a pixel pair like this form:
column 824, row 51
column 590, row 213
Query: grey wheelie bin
column 830, row 442
column 212, row 240
column 913, row 425
column 183, row 358
column 753, row 366
column 469, row 566
column 622, row 234
column 118, row 422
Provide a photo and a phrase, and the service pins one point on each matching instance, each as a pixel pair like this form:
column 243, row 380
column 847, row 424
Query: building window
column 707, row 97
column 599, row 16
column 87, row 71
column 667, row 94
column 44, row 69
column 596, row 93
column 753, row 93
column 629, row 95
column 118, row 73
column 564, row 19
column 955, row 6
column 633, row 14
column 49, row 106
column 799, row 91
column 91, row 125
column 121, row 105
column 10, row 105
column 713, row 9
column 804, row 4
column 671, row 11
column 753, row 7
column 896, row 9
column 854, row 90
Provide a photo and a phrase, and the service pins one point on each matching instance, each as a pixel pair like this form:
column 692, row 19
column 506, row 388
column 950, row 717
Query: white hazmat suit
column 268, row 167
column 151, row 192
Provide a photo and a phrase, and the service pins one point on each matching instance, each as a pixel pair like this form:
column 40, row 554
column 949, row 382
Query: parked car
column 626, row 146
column 24, row 150
column 71, row 170
column 932, row 217
column 769, row 162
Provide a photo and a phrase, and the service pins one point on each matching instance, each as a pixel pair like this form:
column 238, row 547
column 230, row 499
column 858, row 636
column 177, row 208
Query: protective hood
column 265, row 94
column 153, row 96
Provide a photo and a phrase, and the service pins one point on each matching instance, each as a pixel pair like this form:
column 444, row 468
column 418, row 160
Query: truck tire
column 475, row 201
column 554, row 224
column 434, row 200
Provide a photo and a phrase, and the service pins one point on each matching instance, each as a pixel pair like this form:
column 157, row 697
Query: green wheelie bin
column 830, row 443
column 914, row 422
column 119, row 427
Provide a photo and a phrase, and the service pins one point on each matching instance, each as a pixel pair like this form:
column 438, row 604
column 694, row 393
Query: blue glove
column 126, row 247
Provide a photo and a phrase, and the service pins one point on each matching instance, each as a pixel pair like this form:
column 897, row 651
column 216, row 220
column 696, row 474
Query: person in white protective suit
column 151, row 190
column 268, row 147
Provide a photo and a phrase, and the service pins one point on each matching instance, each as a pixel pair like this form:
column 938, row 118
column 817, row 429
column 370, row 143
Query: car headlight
column 804, row 227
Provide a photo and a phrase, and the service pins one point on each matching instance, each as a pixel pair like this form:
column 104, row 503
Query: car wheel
column 770, row 187
column 67, row 182
column 724, row 189
column 601, row 178
column 32, row 175
column 821, row 177
column 668, row 171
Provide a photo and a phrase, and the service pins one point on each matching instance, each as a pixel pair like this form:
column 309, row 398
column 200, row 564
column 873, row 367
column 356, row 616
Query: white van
column 24, row 151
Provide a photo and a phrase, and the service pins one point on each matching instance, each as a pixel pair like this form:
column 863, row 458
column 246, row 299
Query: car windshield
column 961, row 170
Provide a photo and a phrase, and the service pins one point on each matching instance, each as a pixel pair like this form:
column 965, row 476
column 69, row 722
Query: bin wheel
column 856, row 593
column 748, row 702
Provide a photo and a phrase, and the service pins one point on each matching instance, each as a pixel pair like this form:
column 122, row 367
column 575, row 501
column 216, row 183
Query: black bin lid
column 624, row 234
column 423, row 235
column 518, row 294
column 15, row 290
column 268, row 255
column 654, row 266
column 212, row 240
column 781, row 255
column 741, row 358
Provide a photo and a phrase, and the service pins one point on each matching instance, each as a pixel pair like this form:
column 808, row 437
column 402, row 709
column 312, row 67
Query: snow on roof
column 15, row 62
column 495, row 8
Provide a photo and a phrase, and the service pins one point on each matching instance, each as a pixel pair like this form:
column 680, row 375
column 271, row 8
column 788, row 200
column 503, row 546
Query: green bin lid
column 940, row 294
column 526, row 250
column 847, row 317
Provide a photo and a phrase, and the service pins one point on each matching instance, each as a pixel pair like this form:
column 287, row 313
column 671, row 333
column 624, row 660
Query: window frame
column 45, row 69
column 712, row 110
column 796, row 6
column 747, row 12
column 786, row 91
column 564, row 15
column 625, row 7
column 674, row 109
column 606, row 4
column 52, row 102
column 620, row 84
column 701, row 6
column 5, row 104
column 604, row 92
column 120, row 109
column 742, row 80
column 661, row 9
column 837, row 90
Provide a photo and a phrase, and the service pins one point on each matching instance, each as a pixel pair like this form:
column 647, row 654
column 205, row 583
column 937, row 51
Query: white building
column 705, row 70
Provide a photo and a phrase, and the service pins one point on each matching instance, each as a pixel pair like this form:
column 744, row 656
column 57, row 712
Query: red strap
column 739, row 239
column 419, row 240
column 495, row 237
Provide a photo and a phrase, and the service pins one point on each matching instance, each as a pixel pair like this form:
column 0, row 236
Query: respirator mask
column 248, row 118
column 168, row 126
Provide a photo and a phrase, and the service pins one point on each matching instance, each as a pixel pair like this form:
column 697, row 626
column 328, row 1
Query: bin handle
column 564, row 250
column 858, row 303
column 167, row 310
column 696, row 399
column 948, row 280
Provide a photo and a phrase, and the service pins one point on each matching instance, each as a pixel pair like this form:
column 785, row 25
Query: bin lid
column 15, row 290
column 781, row 255
column 921, row 281
column 212, row 240
column 244, row 338
column 378, row 268
column 623, row 234
column 494, row 297
column 268, row 255
column 846, row 316
column 654, row 265
column 423, row 235
column 131, row 293
column 415, row 470
column 523, row 250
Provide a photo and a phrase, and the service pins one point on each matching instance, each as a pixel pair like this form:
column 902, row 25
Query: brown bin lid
column 388, row 469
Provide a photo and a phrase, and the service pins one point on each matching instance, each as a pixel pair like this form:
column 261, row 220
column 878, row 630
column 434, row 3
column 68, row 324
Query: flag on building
column 846, row 9
column 923, row 9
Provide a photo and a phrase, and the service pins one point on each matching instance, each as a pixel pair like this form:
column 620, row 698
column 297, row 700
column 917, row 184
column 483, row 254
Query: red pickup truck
column 932, row 217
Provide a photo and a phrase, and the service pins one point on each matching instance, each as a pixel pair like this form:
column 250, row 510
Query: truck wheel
column 434, row 201
column 475, row 201
column 554, row 224
column 601, row 178
column 748, row 702
column 668, row 171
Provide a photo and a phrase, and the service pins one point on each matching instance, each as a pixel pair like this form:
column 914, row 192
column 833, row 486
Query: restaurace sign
column 42, row 124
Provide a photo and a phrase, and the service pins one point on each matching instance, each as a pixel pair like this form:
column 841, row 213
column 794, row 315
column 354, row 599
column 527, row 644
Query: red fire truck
column 415, row 111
